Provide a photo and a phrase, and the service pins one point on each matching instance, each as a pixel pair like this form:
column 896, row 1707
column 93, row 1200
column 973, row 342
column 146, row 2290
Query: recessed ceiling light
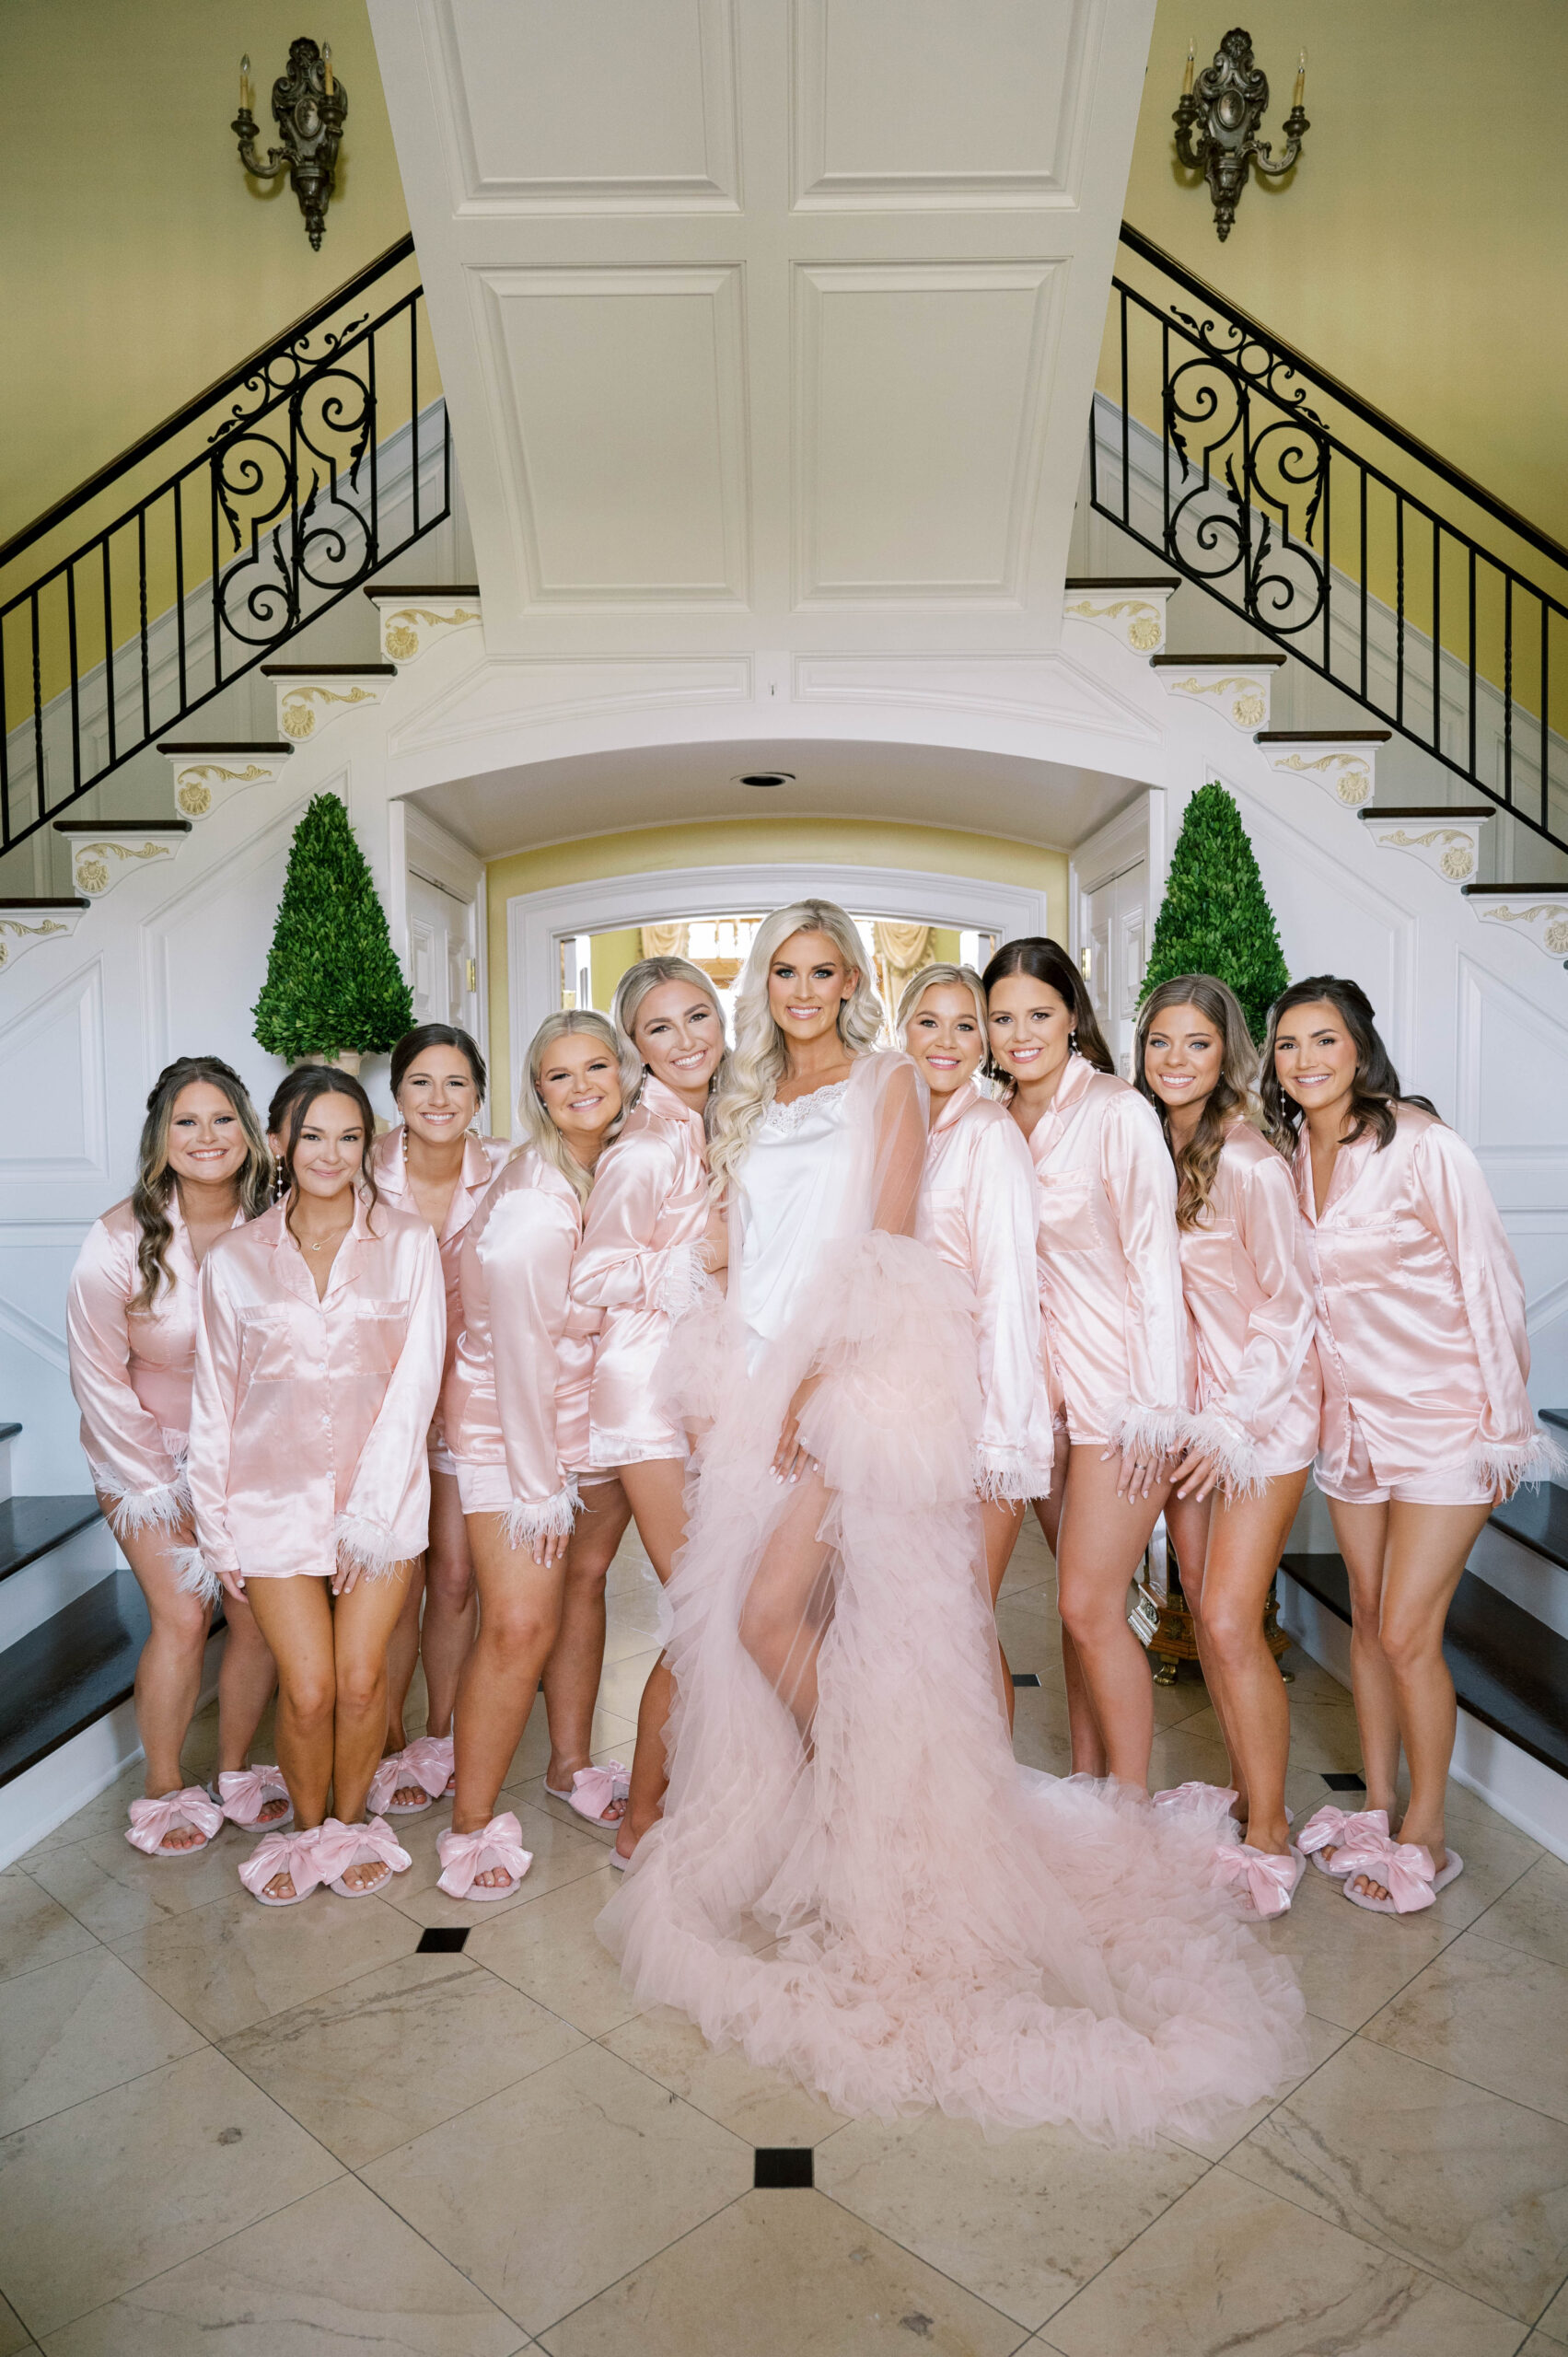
column 767, row 777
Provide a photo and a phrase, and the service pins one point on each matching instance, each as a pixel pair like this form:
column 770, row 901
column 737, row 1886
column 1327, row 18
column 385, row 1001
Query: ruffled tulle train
column 946, row 1927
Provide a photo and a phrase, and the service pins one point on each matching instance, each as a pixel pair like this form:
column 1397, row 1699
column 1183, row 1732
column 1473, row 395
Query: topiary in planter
column 1216, row 918
column 333, row 986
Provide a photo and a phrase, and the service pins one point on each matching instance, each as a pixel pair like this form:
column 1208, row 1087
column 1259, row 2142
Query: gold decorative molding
column 298, row 715
column 196, row 784
column 1545, row 921
column 403, row 628
column 1139, row 623
column 1452, row 851
column 91, row 867
column 18, row 937
column 1248, row 705
column 1347, row 776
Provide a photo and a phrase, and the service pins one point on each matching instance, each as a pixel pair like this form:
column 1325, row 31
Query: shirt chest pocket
column 1362, row 1255
column 1067, row 1211
column 1208, row 1258
column 378, row 1339
column 266, row 1352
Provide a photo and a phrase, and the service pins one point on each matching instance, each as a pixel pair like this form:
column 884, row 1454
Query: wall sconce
column 309, row 107
column 1231, row 100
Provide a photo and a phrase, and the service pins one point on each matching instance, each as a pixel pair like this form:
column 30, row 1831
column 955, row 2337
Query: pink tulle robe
column 1247, row 1273
column 131, row 1369
column 979, row 1210
column 951, row 1929
column 482, row 1157
column 309, row 1418
column 638, row 1266
column 1118, row 1351
column 1421, row 1314
column 516, row 1409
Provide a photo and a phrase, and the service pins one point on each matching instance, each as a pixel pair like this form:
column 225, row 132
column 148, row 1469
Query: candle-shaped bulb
column 327, row 65
column 244, row 83
column 1186, row 77
column 1300, row 79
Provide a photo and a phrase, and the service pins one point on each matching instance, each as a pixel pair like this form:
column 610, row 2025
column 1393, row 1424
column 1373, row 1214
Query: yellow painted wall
column 932, row 850
column 1417, row 250
column 140, row 261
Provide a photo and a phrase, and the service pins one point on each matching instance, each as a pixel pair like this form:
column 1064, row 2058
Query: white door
column 1114, row 922
column 442, row 954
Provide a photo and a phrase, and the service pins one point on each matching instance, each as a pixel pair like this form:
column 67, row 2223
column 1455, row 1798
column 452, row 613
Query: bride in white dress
column 853, row 1880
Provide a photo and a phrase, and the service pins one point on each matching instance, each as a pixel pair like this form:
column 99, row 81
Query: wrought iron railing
column 1342, row 537
column 200, row 551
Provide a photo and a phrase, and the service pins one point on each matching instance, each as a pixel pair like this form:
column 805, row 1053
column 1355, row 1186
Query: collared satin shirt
column 1247, row 1273
column 308, row 1418
column 518, row 1409
column 482, row 1159
column 1117, row 1344
column 1420, row 1311
column 131, row 1369
column 638, row 1266
column 979, row 1210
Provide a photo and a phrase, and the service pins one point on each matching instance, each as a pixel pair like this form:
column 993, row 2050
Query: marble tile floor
column 262, row 2134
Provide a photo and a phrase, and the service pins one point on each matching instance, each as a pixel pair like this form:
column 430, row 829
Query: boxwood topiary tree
column 1216, row 918
column 333, row 984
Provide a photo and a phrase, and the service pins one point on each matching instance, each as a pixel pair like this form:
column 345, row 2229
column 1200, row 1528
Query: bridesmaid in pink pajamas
column 1248, row 1286
column 979, row 1209
column 1427, row 1425
column 1116, row 1342
column 651, row 1228
column 432, row 1163
column 131, row 1333
column 317, row 1368
column 517, row 1416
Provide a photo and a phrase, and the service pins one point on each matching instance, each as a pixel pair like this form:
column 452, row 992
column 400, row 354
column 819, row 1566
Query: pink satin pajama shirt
column 131, row 1369
column 979, row 1210
column 309, row 1417
column 1420, row 1324
column 1247, row 1274
column 517, row 1410
column 482, row 1157
column 1117, row 1349
column 638, row 1266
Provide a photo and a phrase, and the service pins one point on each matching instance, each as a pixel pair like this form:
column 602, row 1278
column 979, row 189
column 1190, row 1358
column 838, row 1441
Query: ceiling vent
column 767, row 777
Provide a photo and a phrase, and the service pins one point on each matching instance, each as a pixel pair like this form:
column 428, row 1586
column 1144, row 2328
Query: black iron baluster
column 180, row 583
column 4, row 748
column 1436, row 635
column 1472, row 657
column 1365, row 570
column 413, row 406
column 1399, row 609
column 1126, row 494
column 108, row 653
column 213, row 466
column 1508, row 686
column 40, row 795
column 1165, row 437
column 142, row 573
column 1545, row 710
column 76, row 684
column 373, row 536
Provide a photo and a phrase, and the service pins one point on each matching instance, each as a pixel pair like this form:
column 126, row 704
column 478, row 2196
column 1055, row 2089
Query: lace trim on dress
column 783, row 1119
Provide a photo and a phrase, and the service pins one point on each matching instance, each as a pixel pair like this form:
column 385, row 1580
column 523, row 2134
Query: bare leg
column 295, row 1617
column 1363, row 1534
column 1187, row 1523
column 247, row 1676
column 1101, row 1539
column 1426, row 1553
column 1245, row 1538
column 168, row 1674
column 452, row 1602
column 789, row 1603
column 520, row 1618
column 1002, row 1520
column 402, row 1655
column 362, row 1621
column 577, row 1660
column 656, row 1489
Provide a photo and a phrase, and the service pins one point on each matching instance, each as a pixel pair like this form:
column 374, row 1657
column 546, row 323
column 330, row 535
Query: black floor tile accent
column 443, row 1939
column 782, row 2165
column 1340, row 1781
column 1025, row 1678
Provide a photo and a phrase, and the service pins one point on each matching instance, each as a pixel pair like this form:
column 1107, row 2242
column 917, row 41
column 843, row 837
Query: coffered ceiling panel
column 767, row 326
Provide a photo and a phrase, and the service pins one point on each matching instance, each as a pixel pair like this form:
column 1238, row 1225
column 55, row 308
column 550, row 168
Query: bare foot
column 494, row 1878
column 409, row 1796
column 280, row 1886
column 369, row 1875
column 272, row 1810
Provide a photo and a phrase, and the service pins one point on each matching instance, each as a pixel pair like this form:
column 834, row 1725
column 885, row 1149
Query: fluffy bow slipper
column 1403, row 1869
column 464, row 1855
column 1264, row 1877
column 595, row 1791
column 339, row 1846
column 1206, row 1802
column 192, row 1809
column 244, row 1793
column 1332, row 1829
column 424, row 1765
column 293, row 1854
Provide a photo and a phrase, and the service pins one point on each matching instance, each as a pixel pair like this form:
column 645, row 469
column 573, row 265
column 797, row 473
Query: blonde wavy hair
column 538, row 1130
column 646, row 976
column 1232, row 1094
column 758, row 1060
column 928, row 979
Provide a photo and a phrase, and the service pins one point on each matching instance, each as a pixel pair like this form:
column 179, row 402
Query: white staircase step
column 208, row 772
column 312, row 695
column 1235, row 685
column 102, row 853
column 1342, row 762
column 1537, row 912
column 1449, row 841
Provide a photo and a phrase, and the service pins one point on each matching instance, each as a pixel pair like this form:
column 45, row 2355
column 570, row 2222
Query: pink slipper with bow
column 1267, row 1880
column 464, row 1855
column 293, row 1854
column 191, row 1808
column 426, row 1762
column 244, row 1793
column 1334, row 1829
column 339, row 1846
column 595, row 1791
column 1404, row 1869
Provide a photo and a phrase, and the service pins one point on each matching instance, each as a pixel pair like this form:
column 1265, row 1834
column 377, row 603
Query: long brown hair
column 1045, row 961
column 292, row 1101
column 155, row 1181
column 1198, row 1159
column 437, row 1035
column 1375, row 1091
